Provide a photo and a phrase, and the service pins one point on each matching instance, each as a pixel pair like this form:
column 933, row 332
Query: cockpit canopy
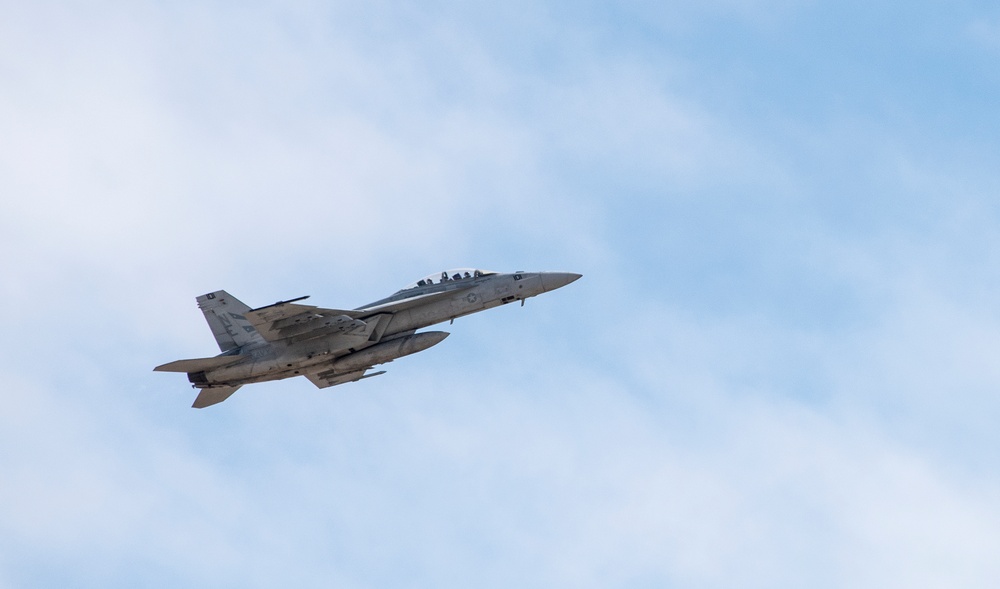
column 454, row 274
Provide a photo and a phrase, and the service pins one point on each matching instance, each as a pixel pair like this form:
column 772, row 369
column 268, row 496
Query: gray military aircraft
column 333, row 346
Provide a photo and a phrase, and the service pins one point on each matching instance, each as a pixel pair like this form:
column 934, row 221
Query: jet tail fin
column 213, row 395
column 225, row 315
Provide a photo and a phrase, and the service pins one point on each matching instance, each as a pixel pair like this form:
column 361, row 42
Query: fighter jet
column 334, row 346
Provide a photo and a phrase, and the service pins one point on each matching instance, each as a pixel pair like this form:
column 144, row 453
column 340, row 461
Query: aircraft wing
column 290, row 321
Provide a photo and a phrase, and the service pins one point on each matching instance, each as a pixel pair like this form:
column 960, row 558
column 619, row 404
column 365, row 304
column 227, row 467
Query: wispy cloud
column 776, row 371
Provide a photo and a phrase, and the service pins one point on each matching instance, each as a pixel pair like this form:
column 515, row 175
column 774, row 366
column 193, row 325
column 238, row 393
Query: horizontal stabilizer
column 199, row 364
column 213, row 395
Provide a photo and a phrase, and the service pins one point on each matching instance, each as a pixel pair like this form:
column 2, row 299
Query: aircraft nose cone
column 554, row 280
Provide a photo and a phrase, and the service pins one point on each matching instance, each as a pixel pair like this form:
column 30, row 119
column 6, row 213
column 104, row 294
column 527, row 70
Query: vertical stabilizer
column 224, row 314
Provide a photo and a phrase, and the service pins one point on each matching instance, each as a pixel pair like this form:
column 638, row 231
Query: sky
column 778, row 370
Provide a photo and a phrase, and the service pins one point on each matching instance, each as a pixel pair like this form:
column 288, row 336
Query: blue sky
column 779, row 369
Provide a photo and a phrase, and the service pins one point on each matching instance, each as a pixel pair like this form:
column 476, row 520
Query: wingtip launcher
column 281, row 303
